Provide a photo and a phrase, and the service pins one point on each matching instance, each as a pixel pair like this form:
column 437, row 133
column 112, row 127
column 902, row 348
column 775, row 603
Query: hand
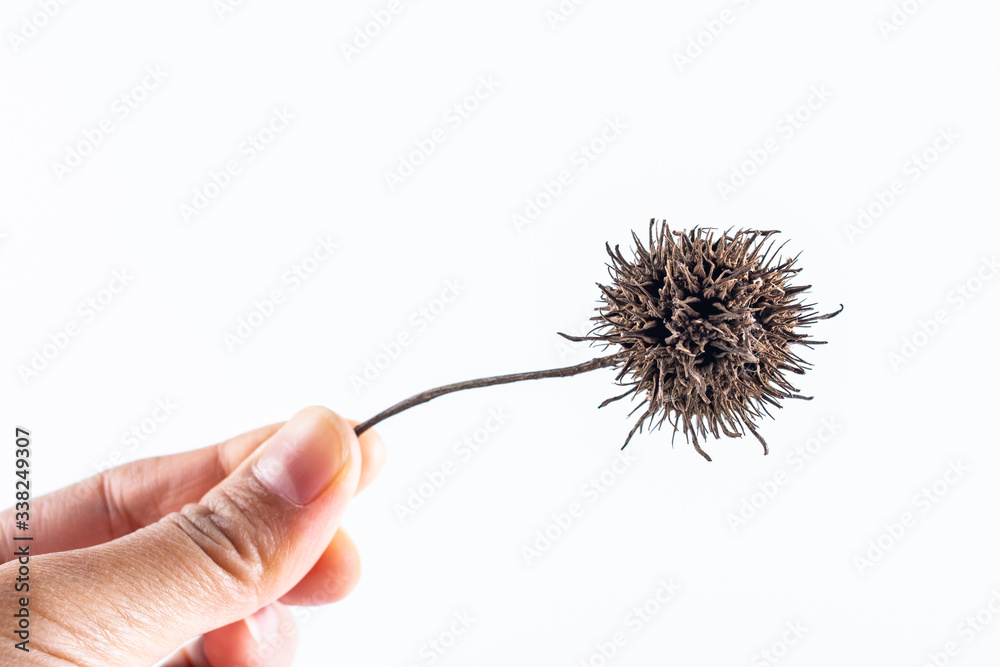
column 215, row 542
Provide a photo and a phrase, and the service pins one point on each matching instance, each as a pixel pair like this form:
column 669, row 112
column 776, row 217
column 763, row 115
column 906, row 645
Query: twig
column 423, row 397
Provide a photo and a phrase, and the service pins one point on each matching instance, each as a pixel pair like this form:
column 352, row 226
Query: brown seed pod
column 704, row 326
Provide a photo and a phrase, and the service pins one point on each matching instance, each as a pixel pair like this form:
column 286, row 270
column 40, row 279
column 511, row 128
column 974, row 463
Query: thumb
column 250, row 540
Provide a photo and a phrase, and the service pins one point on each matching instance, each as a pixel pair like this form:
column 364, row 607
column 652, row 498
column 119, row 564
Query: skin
column 128, row 566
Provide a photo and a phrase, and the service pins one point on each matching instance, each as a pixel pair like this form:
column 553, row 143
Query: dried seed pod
column 704, row 326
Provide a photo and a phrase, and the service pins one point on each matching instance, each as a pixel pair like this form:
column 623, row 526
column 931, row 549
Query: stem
column 423, row 397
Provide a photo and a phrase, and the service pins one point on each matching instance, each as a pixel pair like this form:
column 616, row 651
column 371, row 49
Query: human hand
column 128, row 565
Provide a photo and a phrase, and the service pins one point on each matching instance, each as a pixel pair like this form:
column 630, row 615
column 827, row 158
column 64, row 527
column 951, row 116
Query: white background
column 804, row 556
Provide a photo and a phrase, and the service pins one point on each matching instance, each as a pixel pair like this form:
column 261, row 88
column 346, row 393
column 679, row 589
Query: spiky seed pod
column 704, row 327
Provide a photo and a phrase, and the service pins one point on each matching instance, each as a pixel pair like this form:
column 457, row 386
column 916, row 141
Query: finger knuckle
column 226, row 538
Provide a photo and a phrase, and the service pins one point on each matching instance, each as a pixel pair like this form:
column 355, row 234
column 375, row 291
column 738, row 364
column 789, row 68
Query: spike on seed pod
column 703, row 327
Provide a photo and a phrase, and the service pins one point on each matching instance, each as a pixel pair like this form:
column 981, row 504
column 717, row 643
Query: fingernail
column 304, row 456
column 263, row 624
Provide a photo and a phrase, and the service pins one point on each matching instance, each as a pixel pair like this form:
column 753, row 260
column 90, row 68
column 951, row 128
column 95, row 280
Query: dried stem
column 423, row 397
